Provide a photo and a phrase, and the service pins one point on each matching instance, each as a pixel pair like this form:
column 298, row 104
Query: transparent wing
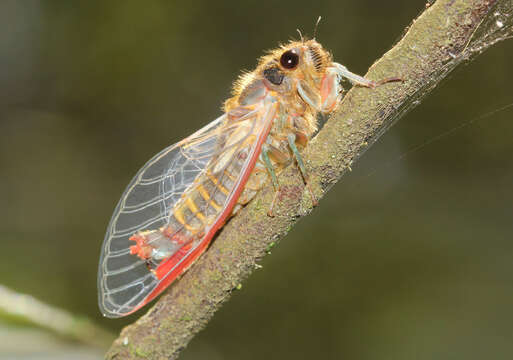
column 124, row 280
column 146, row 204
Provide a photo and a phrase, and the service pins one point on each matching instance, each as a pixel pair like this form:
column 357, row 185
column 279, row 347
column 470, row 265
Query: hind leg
column 291, row 138
column 277, row 154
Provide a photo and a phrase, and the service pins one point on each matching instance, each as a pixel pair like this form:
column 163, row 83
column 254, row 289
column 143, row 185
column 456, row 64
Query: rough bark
column 446, row 34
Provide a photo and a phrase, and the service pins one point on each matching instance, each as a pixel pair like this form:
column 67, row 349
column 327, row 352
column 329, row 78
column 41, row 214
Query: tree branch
column 27, row 309
column 448, row 33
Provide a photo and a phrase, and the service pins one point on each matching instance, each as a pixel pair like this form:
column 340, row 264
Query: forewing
column 124, row 282
column 146, row 204
column 251, row 133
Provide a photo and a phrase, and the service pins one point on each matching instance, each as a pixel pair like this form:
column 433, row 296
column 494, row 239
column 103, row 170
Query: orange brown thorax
column 299, row 76
column 283, row 72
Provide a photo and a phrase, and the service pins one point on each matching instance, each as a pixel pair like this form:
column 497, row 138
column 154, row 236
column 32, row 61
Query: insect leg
column 342, row 71
column 331, row 91
column 301, row 138
column 274, row 179
column 291, row 138
column 309, row 96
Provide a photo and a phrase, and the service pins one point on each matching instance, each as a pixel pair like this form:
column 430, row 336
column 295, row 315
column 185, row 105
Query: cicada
column 179, row 199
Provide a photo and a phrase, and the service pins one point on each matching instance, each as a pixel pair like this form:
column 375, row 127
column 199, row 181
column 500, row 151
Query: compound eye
column 289, row 59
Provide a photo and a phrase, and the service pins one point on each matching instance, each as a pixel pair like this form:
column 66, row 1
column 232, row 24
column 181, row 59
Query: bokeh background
column 408, row 257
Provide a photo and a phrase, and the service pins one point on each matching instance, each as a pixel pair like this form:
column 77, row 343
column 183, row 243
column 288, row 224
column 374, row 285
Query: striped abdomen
column 192, row 215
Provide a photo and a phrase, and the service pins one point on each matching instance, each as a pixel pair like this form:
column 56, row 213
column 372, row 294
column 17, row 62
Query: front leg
column 343, row 72
column 331, row 89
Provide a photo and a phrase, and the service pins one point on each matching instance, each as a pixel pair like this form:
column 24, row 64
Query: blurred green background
column 406, row 258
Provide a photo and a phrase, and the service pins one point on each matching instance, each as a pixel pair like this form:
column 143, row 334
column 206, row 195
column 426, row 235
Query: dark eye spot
column 274, row 75
column 289, row 59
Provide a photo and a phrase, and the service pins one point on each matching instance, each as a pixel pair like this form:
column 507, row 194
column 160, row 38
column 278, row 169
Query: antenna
column 301, row 35
column 316, row 25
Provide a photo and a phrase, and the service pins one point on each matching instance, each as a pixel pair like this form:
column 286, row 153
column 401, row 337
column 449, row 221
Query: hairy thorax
column 295, row 116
